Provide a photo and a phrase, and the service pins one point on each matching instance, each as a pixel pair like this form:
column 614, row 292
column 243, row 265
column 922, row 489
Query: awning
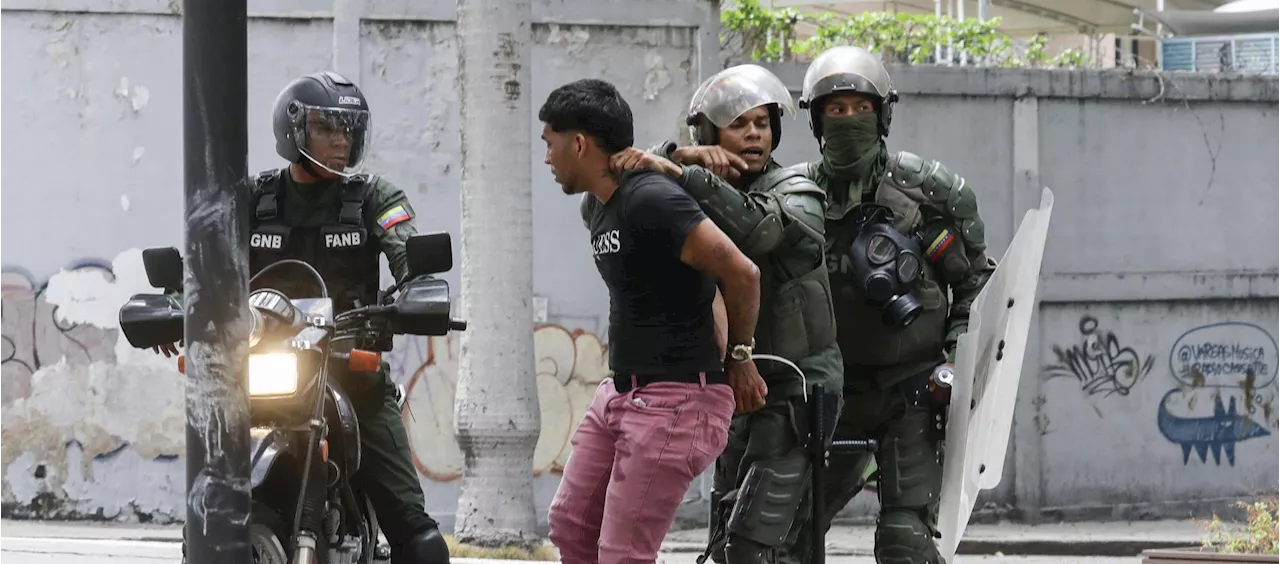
column 1195, row 22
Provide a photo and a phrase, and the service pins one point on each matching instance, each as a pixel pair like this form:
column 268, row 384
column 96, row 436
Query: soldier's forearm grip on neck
column 754, row 226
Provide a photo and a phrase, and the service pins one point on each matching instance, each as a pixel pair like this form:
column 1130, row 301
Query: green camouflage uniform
column 760, row 506
column 306, row 216
column 301, row 216
column 887, row 372
column 796, row 322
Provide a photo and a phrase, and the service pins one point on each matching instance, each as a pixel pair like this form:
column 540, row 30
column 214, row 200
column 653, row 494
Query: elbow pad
column 764, row 237
column 753, row 229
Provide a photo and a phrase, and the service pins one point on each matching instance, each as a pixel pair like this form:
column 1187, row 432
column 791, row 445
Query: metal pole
column 215, row 144
column 1160, row 40
column 951, row 13
column 937, row 48
column 982, row 9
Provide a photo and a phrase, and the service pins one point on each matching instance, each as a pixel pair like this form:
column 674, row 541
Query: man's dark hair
column 595, row 109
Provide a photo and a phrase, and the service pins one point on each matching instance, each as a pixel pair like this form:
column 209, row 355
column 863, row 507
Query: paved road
column 31, row 550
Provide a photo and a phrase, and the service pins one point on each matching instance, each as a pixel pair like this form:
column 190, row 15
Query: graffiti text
column 1099, row 363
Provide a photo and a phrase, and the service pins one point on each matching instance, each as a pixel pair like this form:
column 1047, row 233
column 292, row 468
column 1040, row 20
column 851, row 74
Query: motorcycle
column 305, row 435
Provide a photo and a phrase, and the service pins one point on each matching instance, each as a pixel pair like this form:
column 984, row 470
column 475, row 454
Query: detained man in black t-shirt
column 664, row 416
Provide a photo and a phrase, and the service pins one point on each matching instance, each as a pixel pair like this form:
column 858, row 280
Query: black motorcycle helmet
column 320, row 113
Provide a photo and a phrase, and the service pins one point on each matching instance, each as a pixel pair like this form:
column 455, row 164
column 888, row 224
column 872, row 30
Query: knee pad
column 902, row 537
column 768, row 500
column 427, row 547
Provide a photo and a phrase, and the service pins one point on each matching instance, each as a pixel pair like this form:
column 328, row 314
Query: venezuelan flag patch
column 393, row 216
column 939, row 245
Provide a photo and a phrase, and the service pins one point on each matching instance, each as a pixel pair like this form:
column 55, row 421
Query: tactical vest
column 341, row 247
column 864, row 338
column 796, row 316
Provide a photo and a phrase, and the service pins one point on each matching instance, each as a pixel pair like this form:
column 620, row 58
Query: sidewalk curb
column 1008, row 547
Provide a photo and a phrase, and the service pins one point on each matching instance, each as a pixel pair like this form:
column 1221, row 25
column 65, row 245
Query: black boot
column 427, row 547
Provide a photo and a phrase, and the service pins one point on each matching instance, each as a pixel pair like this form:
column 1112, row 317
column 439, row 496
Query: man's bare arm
column 722, row 324
column 709, row 250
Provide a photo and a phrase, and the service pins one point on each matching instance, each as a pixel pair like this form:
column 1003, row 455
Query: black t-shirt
column 660, row 318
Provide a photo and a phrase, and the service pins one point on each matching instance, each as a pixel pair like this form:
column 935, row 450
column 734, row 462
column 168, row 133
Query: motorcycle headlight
column 273, row 374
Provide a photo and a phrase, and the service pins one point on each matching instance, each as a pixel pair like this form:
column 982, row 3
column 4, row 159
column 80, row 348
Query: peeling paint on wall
column 656, row 79
column 573, row 38
column 392, row 45
column 75, row 441
column 137, row 96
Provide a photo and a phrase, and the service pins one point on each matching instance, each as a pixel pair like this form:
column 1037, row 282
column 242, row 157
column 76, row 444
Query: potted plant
column 1257, row 541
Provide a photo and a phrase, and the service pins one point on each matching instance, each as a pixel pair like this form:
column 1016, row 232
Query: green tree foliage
column 753, row 32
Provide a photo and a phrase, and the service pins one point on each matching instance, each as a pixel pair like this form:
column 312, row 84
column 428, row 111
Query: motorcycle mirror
column 151, row 320
column 164, row 268
column 430, row 253
column 422, row 308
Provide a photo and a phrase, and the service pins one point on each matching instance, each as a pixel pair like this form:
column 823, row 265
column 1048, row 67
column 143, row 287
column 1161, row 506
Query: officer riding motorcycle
column 323, row 211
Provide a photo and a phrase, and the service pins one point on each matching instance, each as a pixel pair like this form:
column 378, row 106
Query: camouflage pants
column 909, row 463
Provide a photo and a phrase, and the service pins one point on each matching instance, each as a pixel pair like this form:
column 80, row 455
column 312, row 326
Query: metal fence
column 1252, row 54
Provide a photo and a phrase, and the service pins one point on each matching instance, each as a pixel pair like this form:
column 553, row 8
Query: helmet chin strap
column 308, row 161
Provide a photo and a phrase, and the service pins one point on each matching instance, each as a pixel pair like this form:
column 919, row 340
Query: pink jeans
column 634, row 456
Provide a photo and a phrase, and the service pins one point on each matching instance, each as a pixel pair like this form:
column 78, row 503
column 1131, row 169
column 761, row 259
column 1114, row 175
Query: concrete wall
column 1159, row 283
column 1164, row 224
column 94, row 147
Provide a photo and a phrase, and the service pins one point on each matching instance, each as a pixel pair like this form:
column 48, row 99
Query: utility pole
column 215, row 149
column 496, row 411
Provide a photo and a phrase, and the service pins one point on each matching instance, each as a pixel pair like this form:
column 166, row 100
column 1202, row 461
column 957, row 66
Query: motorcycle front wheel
column 266, row 544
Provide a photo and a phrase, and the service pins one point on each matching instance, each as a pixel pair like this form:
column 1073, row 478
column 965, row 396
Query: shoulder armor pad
column 776, row 175
column 799, row 184
column 807, row 170
column 907, row 169
column 788, row 180
column 945, row 189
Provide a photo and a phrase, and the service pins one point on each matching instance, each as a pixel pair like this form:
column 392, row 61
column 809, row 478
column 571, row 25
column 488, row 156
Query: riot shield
column 988, row 367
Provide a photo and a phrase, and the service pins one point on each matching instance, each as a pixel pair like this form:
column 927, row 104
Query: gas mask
column 886, row 265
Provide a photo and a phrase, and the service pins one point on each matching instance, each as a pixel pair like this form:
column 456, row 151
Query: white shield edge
column 978, row 437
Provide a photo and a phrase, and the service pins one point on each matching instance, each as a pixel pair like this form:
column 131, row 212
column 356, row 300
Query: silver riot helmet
column 731, row 93
column 847, row 69
column 324, row 119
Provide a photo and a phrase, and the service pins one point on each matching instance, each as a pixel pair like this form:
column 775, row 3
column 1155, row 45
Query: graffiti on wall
column 33, row 335
column 570, row 364
column 1224, row 372
column 74, row 442
column 1099, row 363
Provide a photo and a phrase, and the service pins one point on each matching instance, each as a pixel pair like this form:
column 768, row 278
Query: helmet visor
column 848, row 69
column 335, row 139
column 733, row 91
